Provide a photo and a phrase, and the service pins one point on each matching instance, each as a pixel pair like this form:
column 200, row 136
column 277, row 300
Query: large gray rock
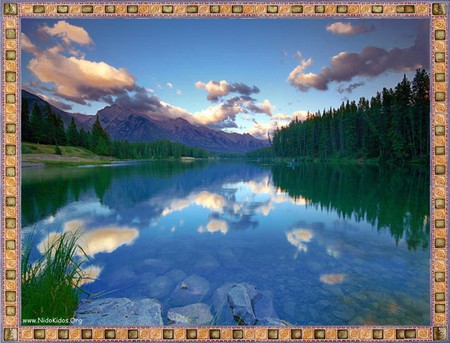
column 263, row 306
column 240, row 300
column 195, row 314
column 120, row 312
column 191, row 290
column 220, row 305
column 250, row 306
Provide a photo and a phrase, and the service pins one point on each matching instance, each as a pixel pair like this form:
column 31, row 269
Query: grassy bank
column 51, row 285
column 34, row 154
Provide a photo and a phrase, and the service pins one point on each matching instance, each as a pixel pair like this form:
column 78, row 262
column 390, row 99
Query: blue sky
column 240, row 75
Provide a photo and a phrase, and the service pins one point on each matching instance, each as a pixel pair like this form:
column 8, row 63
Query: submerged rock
column 220, row 305
column 250, row 306
column 195, row 314
column 176, row 275
column 240, row 301
column 191, row 290
column 156, row 266
column 120, row 312
column 161, row 286
column 206, row 264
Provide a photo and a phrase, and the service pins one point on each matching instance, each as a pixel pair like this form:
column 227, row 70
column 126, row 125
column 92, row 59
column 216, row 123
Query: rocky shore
column 231, row 304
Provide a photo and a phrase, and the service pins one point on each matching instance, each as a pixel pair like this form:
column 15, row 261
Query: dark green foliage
column 43, row 127
column 58, row 150
column 261, row 153
column 25, row 122
column 37, row 122
column 338, row 187
column 392, row 126
column 155, row 150
column 73, row 136
column 100, row 139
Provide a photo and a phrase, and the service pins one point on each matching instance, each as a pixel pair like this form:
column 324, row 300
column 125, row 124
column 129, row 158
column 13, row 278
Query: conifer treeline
column 45, row 127
column 391, row 126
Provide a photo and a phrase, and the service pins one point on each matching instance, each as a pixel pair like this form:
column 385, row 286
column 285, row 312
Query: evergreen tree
column 25, row 122
column 37, row 125
column 392, row 126
column 100, row 139
column 73, row 136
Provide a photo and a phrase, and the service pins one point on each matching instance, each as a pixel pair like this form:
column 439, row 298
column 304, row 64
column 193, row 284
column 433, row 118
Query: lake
column 331, row 244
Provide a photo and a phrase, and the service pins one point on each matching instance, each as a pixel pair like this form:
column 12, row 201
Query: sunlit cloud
column 217, row 113
column 300, row 115
column 218, row 89
column 68, row 33
column 341, row 28
column 332, row 279
column 27, row 45
column 261, row 130
column 169, row 85
column 76, row 79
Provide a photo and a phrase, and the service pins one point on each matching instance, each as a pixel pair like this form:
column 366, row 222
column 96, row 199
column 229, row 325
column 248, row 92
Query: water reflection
column 215, row 226
column 332, row 279
column 305, row 231
column 372, row 194
column 98, row 240
column 390, row 198
column 299, row 238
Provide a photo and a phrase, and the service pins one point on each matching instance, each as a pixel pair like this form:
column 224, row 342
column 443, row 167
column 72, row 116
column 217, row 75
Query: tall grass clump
column 51, row 285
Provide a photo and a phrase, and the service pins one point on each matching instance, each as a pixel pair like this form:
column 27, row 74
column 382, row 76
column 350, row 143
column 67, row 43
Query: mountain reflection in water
column 308, row 234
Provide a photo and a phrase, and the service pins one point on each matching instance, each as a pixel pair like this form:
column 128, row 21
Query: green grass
column 33, row 148
column 51, row 285
column 67, row 155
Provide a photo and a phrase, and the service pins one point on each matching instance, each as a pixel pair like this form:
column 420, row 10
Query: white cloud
column 169, row 85
column 301, row 115
column 217, row 113
column 215, row 89
column 341, row 28
column 68, row 33
column 76, row 79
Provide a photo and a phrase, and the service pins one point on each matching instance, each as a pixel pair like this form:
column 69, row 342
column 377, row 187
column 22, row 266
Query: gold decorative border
column 437, row 12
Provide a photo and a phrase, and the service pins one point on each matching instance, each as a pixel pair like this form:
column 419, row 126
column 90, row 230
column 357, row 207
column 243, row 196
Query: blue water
column 333, row 245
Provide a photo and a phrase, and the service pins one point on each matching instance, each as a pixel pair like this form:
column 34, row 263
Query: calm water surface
column 334, row 244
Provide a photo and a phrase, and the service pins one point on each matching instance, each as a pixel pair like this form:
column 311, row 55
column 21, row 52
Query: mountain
column 121, row 124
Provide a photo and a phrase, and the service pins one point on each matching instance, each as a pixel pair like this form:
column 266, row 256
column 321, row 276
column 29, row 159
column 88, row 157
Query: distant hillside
column 123, row 125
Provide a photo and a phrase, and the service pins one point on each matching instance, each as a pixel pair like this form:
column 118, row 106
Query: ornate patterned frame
column 436, row 12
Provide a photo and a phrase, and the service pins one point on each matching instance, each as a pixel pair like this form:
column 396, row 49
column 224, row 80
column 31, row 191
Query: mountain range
column 122, row 124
